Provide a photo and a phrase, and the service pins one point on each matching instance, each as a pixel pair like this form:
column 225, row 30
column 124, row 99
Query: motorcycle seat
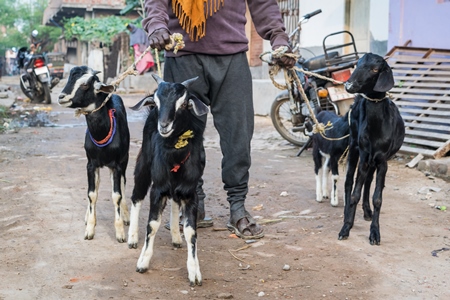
column 318, row 62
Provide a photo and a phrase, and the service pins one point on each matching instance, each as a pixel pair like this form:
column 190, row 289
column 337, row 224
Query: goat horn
column 157, row 78
column 96, row 72
column 188, row 82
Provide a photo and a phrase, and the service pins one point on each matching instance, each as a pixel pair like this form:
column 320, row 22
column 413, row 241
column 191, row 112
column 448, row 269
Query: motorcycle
column 289, row 113
column 35, row 80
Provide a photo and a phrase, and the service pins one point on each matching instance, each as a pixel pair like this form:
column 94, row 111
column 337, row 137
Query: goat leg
column 334, row 166
column 116, row 180
column 93, row 184
column 366, row 195
column 374, row 237
column 142, row 181
column 123, row 203
column 190, row 234
column 348, row 186
column 157, row 204
column 175, row 224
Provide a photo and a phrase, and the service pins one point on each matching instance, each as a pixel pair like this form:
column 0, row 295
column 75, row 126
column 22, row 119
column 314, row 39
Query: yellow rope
column 176, row 43
column 290, row 75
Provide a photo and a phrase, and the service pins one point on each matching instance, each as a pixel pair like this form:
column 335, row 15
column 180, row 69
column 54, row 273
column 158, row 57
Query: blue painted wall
column 425, row 22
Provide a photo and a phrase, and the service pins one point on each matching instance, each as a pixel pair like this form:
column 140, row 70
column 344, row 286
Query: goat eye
column 84, row 86
column 184, row 105
column 375, row 70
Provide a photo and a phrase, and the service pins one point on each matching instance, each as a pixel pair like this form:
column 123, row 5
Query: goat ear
column 385, row 80
column 157, row 79
column 104, row 88
column 199, row 107
column 189, row 82
column 147, row 101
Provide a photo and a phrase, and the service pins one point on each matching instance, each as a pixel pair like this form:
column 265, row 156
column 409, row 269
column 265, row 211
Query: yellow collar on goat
column 183, row 139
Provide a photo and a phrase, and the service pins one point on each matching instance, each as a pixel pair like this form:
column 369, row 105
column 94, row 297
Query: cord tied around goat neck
column 176, row 43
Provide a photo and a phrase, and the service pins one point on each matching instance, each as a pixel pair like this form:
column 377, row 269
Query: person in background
column 215, row 51
column 139, row 42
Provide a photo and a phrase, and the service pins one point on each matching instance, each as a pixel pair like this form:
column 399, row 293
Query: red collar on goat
column 112, row 130
column 177, row 166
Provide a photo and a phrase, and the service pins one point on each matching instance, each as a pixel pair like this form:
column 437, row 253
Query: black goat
column 331, row 147
column 106, row 143
column 376, row 133
column 170, row 161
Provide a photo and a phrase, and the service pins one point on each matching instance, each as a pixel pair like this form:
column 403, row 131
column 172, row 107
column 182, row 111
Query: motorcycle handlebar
column 312, row 14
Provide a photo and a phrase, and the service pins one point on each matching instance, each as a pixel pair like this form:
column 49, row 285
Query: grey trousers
column 225, row 84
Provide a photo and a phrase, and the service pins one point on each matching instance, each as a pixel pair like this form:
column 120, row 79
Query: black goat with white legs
column 377, row 131
column 170, row 161
column 106, row 143
column 331, row 146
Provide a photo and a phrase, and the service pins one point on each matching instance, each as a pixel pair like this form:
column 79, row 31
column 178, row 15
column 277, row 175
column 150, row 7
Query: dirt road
column 44, row 256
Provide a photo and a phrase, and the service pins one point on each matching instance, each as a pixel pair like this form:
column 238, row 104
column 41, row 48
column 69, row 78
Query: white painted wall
column 332, row 19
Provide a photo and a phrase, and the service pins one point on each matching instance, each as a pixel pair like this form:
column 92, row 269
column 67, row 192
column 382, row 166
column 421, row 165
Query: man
column 215, row 50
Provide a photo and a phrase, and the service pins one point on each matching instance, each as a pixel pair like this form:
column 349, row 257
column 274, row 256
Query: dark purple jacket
column 225, row 29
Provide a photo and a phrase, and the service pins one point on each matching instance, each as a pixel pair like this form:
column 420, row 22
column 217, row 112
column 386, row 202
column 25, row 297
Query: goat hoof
column 132, row 246
column 374, row 239
column 368, row 215
column 176, row 245
column 342, row 237
column 126, row 223
column 377, row 243
column 141, row 270
column 88, row 237
column 121, row 240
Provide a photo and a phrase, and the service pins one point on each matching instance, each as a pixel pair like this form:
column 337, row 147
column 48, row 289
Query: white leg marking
column 174, row 224
column 192, row 260
column 133, row 231
column 123, row 203
column 118, row 221
column 147, row 250
column 319, row 186
column 90, row 218
column 326, row 170
column 334, row 190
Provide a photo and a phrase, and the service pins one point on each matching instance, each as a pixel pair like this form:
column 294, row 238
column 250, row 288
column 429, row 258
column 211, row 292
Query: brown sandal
column 250, row 226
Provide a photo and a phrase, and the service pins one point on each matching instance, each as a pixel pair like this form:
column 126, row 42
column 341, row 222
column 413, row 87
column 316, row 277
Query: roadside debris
column 415, row 161
column 441, row 207
column 20, row 116
column 435, row 252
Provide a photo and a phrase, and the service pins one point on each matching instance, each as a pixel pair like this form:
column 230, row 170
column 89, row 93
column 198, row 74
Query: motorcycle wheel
column 281, row 116
column 27, row 91
column 47, row 96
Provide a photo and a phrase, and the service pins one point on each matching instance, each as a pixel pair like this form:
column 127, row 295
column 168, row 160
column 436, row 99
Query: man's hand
column 286, row 61
column 159, row 38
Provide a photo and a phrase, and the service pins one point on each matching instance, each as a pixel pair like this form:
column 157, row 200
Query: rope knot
column 176, row 42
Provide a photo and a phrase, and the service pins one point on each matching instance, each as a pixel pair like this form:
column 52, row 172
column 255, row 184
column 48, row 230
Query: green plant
column 95, row 30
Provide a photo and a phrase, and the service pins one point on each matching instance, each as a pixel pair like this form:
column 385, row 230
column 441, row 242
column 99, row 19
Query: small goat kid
column 106, row 143
column 376, row 133
column 170, row 161
column 331, row 147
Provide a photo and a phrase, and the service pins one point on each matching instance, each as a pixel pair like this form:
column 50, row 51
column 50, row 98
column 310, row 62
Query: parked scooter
column 35, row 80
column 289, row 113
